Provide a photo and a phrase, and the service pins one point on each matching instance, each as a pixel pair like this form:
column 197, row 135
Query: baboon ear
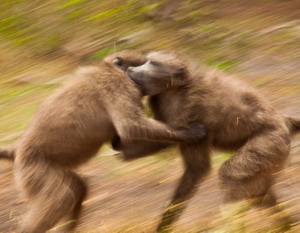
column 118, row 61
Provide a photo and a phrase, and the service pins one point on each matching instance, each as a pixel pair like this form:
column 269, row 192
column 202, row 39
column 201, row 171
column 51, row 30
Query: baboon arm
column 138, row 149
column 126, row 113
column 152, row 130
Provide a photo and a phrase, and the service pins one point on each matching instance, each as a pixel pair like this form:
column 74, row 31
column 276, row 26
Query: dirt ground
column 130, row 196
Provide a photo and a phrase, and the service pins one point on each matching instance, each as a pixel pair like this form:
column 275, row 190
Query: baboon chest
column 167, row 107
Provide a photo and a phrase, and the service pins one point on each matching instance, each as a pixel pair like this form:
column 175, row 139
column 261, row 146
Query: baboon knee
column 227, row 172
column 252, row 161
column 253, row 187
column 80, row 190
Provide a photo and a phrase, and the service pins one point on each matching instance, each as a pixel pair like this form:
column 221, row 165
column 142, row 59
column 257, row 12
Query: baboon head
column 126, row 58
column 162, row 70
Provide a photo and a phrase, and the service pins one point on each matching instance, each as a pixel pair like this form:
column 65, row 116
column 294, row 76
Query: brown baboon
column 237, row 119
column 69, row 128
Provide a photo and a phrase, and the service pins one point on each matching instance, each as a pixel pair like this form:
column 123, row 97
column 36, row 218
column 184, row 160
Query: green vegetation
column 41, row 42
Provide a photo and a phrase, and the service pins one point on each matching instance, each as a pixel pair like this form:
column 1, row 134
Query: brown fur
column 237, row 118
column 70, row 127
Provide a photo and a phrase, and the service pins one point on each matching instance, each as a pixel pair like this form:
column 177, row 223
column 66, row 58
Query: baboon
column 237, row 119
column 98, row 104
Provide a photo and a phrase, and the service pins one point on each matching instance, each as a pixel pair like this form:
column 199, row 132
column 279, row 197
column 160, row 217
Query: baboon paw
column 195, row 134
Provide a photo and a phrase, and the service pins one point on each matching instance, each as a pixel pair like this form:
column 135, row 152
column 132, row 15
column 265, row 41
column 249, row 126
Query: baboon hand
column 193, row 134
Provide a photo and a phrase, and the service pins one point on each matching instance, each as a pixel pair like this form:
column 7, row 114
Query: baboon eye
column 180, row 70
column 154, row 63
column 118, row 61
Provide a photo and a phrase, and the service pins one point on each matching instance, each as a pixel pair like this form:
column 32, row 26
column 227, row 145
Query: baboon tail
column 7, row 152
column 293, row 123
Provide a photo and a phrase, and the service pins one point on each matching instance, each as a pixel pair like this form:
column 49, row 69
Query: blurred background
column 43, row 41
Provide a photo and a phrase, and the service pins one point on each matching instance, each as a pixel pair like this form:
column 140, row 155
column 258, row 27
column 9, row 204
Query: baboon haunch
column 99, row 103
column 237, row 118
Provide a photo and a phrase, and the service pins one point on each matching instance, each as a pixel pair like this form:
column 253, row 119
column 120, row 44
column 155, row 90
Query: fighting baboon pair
column 237, row 119
column 98, row 104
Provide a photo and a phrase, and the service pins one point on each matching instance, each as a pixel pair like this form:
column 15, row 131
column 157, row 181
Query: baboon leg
column 141, row 149
column 269, row 199
column 138, row 149
column 197, row 164
column 53, row 193
column 257, row 188
column 75, row 214
column 249, row 173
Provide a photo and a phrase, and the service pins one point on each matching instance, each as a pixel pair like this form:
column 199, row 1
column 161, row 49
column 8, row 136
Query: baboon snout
column 133, row 74
column 129, row 69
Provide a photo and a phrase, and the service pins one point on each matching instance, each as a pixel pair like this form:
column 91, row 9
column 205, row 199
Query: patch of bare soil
column 129, row 197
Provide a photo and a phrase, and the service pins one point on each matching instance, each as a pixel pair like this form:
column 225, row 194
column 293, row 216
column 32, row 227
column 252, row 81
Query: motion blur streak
column 43, row 42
